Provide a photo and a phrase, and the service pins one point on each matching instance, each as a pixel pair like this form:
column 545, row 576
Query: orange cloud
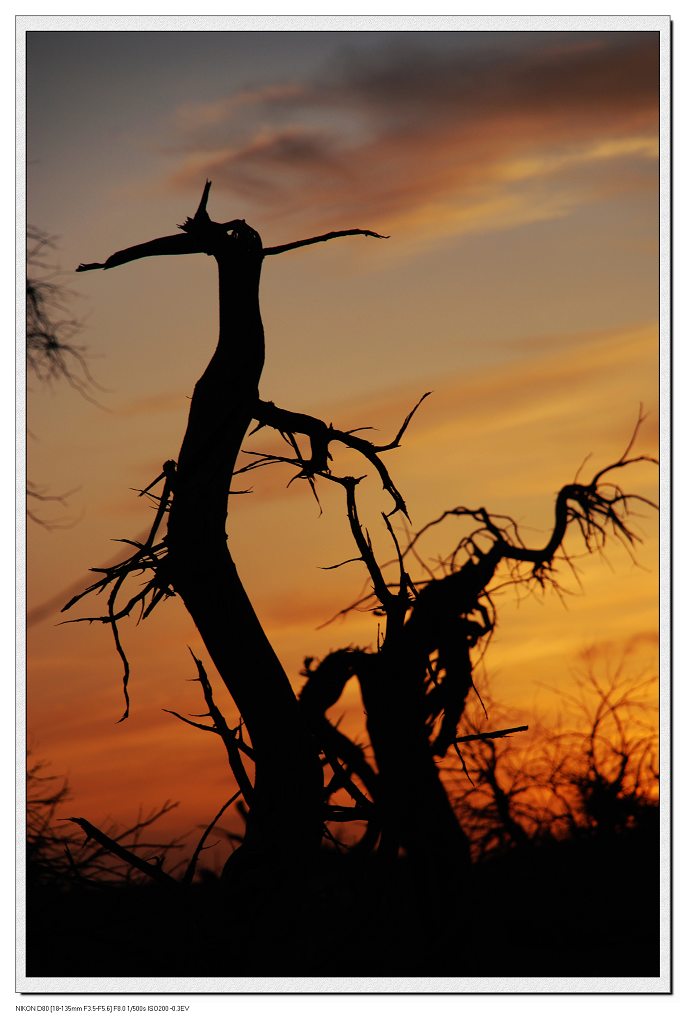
column 544, row 380
column 193, row 116
column 429, row 136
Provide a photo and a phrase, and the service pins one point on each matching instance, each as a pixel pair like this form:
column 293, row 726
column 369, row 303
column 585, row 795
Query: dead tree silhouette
column 414, row 684
column 286, row 814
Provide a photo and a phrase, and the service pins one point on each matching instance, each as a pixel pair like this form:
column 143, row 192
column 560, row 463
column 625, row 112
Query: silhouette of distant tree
column 416, row 681
column 50, row 352
column 51, row 355
column 607, row 759
column 56, row 854
column 597, row 775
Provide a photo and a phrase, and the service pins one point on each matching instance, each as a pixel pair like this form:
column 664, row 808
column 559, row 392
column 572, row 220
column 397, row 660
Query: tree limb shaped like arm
column 201, row 234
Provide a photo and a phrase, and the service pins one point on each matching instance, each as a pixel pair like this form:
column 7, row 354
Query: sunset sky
column 517, row 175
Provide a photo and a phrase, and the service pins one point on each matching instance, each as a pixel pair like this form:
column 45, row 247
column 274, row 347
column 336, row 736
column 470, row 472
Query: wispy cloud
column 196, row 117
column 468, row 136
column 528, row 422
column 539, row 370
column 161, row 402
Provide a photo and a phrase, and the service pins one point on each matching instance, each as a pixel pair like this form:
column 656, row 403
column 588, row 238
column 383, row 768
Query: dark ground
column 582, row 908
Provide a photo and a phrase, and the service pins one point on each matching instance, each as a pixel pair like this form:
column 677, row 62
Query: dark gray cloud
column 425, row 122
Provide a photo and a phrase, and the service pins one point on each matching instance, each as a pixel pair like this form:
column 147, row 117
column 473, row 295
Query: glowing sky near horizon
column 517, row 176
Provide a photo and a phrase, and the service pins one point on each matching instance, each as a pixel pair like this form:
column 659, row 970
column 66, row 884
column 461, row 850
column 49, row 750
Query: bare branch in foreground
column 321, row 436
column 125, row 854
column 498, row 734
column 192, row 864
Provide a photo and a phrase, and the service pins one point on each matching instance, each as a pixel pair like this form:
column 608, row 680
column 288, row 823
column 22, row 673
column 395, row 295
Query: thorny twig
column 231, row 738
column 148, row 556
column 321, row 438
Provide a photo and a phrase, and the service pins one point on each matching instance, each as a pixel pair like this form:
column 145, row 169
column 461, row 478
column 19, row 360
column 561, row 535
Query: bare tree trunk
column 413, row 800
column 285, row 821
